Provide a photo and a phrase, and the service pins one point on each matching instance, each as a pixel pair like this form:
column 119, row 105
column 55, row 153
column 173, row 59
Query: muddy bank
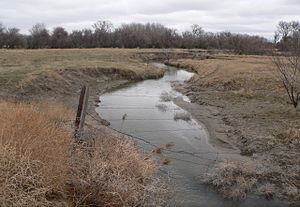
column 65, row 86
column 210, row 117
column 67, row 82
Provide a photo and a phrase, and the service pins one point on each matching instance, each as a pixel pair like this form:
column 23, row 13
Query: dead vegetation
column 268, row 190
column 232, row 73
column 21, row 183
column 30, row 131
column 233, row 180
column 117, row 174
column 291, row 136
column 41, row 166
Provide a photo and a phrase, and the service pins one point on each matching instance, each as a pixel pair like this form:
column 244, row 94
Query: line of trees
column 150, row 35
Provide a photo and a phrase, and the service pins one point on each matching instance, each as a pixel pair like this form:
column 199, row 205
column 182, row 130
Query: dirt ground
column 243, row 104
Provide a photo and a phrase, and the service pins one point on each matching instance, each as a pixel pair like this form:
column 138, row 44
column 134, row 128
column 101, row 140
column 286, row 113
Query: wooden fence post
column 81, row 111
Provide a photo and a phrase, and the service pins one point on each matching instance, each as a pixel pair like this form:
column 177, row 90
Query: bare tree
column 60, row 38
column 13, row 38
column 102, row 34
column 103, row 26
column 39, row 36
column 288, row 64
column 168, row 54
column 2, row 35
column 197, row 30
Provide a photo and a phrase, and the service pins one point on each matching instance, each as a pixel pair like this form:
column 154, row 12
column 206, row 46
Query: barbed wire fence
column 196, row 159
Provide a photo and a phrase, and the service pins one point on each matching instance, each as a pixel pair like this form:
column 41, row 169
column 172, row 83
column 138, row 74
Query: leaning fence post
column 81, row 111
column 84, row 108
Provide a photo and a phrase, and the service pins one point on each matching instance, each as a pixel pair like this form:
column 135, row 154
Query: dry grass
column 21, row 182
column 36, row 168
column 230, row 72
column 20, row 67
column 268, row 190
column 291, row 135
column 34, row 148
column 233, row 180
column 116, row 175
column 35, row 130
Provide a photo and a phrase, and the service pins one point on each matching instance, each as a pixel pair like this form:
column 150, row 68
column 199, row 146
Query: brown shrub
column 28, row 129
column 268, row 190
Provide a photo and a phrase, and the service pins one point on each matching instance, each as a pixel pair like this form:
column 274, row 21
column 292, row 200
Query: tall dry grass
column 117, row 174
column 39, row 165
column 35, row 130
column 21, row 182
column 33, row 153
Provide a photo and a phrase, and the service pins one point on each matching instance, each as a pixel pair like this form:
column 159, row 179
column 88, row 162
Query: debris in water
column 166, row 161
column 157, row 150
column 165, row 97
column 169, row 145
column 162, row 107
column 183, row 116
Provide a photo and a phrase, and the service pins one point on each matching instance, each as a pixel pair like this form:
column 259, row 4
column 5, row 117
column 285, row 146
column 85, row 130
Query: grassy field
column 19, row 67
column 230, row 72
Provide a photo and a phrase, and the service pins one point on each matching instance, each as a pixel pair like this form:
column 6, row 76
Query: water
column 190, row 155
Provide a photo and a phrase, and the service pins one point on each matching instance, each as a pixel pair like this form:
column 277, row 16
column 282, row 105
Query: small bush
column 233, row 180
column 268, row 190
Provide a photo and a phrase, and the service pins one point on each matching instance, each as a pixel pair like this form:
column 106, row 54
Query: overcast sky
column 243, row 16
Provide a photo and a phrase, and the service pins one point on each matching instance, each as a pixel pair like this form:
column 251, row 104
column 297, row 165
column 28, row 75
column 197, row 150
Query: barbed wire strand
column 193, row 154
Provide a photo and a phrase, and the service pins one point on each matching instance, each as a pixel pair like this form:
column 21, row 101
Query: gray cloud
column 243, row 16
